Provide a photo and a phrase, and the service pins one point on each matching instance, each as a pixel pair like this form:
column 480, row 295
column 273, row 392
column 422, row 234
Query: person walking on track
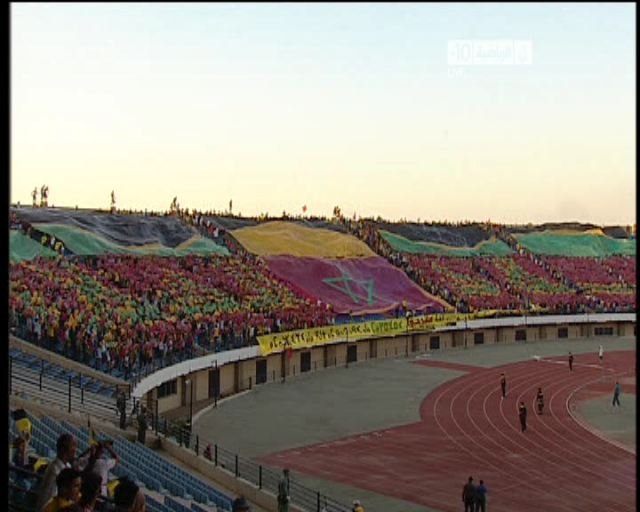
column 481, row 497
column 469, row 495
column 616, row 394
column 522, row 413
column 600, row 353
column 570, row 361
column 503, row 385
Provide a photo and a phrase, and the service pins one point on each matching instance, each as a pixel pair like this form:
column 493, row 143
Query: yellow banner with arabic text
column 271, row 343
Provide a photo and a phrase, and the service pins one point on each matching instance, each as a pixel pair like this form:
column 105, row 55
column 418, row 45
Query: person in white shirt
column 66, row 447
column 37, row 328
column 600, row 353
column 94, row 462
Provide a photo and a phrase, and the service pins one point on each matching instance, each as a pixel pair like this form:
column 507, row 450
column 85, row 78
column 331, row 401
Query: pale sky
column 278, row 106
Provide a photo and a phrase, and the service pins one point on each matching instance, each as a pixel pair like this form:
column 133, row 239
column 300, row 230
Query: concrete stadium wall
column 237, row 375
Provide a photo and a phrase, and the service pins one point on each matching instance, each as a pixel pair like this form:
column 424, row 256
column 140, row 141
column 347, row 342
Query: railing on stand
column 67, row 393
column 263, row 477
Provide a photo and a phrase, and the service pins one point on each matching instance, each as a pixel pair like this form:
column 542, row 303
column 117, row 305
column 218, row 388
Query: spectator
column 19, row 458
column 357, row 507
column 68, row 482
column 142, row 425
column 240, row 505
column 95, row 463
column 23, row 424
column 121, row 405
column 90, row 490
column 66, row 447
column 128, row 497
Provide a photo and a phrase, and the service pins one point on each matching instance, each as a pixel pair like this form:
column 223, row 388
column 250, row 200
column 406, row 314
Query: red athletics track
column 466, row 429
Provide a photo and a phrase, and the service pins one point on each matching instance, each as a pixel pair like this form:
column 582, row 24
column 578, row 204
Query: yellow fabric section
column 39, row 463
column 308, row 337
column 594, row 231
column 187, row 243
column 280, row 238
column 111, row 487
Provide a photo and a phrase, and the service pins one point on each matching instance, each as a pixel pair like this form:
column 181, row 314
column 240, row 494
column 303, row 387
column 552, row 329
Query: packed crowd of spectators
column 459, row 281
column 610, row 280
column 534, row 284
column 120, row 313
column 128, row 311
column 614, row 272
column 519, row 281
column 624, row 266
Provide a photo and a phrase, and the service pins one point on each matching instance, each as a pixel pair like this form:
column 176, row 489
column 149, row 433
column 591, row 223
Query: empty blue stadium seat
column 174, row 505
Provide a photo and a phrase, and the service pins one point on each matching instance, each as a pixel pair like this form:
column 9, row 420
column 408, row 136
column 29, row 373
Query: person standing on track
column 600, row 353
column 522, row 413
column 469, row 495
column 570, row 361
column 616, row 394
column 503, row 385
column 540, row 401
column 481, row 498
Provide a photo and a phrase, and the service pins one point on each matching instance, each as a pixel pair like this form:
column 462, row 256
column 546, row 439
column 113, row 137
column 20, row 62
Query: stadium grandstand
column 108, row 310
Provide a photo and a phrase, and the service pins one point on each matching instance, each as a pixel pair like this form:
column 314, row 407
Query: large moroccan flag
column 335, row 268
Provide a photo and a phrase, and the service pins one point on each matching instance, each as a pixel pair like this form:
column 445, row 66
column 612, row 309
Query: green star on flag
column 342, row 284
